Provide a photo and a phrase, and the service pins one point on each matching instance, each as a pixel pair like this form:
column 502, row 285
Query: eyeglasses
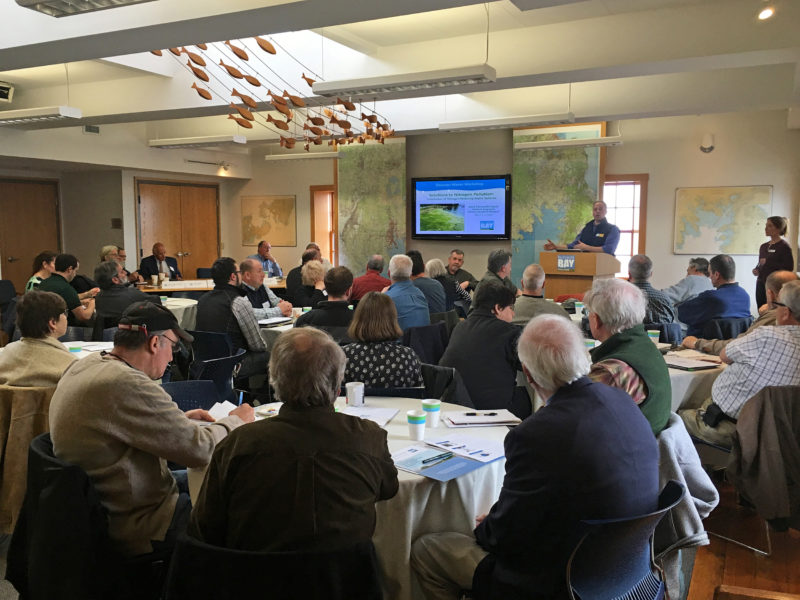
column 174, row 342
column 776, row 303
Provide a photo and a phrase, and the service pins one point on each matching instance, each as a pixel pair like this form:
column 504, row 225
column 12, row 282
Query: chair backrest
column 7, row 292
column 614, row 558
column 190, row 294
column 76, row 334
column 449, row 318
column 192, row 394
column 725, row 329
column 8, row 316
column 200, row 570
column 210, row 344
column 428, row 341
column 446, row 384
column 220, row 371
column 103, row 323
column 204, row 272
column 670, row 332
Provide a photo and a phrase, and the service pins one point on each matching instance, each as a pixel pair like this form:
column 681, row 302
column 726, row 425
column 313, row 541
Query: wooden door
column 29, row 224
column 199, row 231
column 324, row 222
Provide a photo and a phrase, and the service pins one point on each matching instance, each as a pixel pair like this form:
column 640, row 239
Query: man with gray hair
column 659, row 307
column 587, row 454
column 498, row 268
column 531, row 302
column 695, row 282
column 627, row 359
column 115, row 293
column 306, row 480
column 412, row 307
column 371, row 280
column 766, row 356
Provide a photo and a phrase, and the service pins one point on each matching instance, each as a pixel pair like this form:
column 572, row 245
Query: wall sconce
column 707, row 145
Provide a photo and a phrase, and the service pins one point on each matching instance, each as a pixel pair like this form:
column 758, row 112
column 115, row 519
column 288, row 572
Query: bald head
column 533, row 279
column 159, row 251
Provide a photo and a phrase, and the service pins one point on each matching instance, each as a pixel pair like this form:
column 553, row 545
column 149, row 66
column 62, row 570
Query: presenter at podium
column 597, row 235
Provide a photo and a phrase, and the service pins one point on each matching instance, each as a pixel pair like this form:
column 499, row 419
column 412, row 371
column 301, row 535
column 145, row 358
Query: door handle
column 12, row 259
column 187, row 253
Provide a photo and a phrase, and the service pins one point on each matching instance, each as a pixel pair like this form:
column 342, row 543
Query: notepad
column 220, row 410
column 688, row 364
column 479, row 418
column 274, row 321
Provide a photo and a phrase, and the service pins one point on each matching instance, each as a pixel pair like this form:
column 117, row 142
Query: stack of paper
column 433, row 462
column 688, row 364
column 376, row 414
column 274, row 321
column 480, row 418
column 471, row 447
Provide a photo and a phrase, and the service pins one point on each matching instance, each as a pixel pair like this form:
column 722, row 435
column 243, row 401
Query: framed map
column 271, row 218
column 717, row 220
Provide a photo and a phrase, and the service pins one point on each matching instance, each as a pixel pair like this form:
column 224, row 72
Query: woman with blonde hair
column 774, row 255
column 312, row 292
column 376, row 357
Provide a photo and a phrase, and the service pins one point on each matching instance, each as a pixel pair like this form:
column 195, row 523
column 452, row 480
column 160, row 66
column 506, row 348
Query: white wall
column 750, row 149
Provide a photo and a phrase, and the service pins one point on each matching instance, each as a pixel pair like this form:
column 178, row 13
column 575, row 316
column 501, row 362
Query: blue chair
column 725, row 329
column 76, row 334
column 192, row 394
column 204, row 272
column 670, row 332
column 614, row 558
column 221, row 371
column 211, row 344
column 108, row 333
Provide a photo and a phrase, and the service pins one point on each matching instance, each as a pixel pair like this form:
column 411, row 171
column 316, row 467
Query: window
column 626, row 198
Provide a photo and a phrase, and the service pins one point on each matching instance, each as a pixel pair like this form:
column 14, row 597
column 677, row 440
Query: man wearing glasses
column 765, row 357
column 112, row 419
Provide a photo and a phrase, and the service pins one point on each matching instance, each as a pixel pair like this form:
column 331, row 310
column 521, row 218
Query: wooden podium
column 569, row 272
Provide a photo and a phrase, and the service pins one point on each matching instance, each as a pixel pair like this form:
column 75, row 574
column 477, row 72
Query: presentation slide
column 461, row 207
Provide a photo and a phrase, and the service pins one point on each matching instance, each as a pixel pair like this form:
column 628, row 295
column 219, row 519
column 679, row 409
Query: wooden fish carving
column 175, row 51
column 237, row 51
column 252, row 81
column 242, row 122
column 347, row 105
column 157, row 52
column 199, row 73
column 309, row 81
column 202, row 46
column 281, row 108
column 243, row 111
column 265, row 45
column 275, row 98
column 195, row 58
column 204, row 93
column 278, row 123
column 314, row 130
column 317, row 120
column 232, row 71
column 245, row 98
column 296, row 100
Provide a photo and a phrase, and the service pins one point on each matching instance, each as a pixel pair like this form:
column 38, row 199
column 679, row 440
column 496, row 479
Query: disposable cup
column 297, row 311
column 355, row 393
column 154, row 279
column 432, row 407
column 305, row 309
column 590, row 344
column 653, row 334
column 416, row 424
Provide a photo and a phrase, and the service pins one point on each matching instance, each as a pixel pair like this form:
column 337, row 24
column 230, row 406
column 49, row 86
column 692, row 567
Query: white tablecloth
column 690, row 388
column 421, row 505
column 184, row 309
column 270, row 334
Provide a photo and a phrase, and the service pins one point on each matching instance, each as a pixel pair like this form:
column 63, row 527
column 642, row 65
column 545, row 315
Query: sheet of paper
column 221, row 409
column 471, row 418
column 696, row 355
column 376, row 414
column 470, row 446
column 688, row 364
column 272, row 321
column 441, row 469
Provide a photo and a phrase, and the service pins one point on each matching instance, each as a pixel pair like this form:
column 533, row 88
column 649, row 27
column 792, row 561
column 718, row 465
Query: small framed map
column 721, row 220
column 271, row 218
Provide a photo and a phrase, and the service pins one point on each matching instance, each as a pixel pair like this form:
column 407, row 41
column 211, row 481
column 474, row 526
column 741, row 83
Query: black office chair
column 190, row 294
column 725, row 329
column 396, row 392
column 192, row 394
column 200, row 570
column 221, row 371
column 76, row 334
column 446, row 384
column 8, row 311
column 428, row 341
column 204, row 272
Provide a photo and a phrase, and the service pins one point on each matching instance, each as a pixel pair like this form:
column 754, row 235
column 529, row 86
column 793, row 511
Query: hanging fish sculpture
column 157, row 52
column 287, row 142
column 317, row 120
column 275, row 98
column 314, row 130
column 202, row 46
column 347, row 105
column 278, row 123
column 204, row 93
column 199, row 73
column 243, row 122
column 265, row 45
column 243, row 111
column 305, row 147
column 344, row 124
column 283, row 109
column 245, row 98
column 317, row 141
column 175, row 51
column 237, row 51
column 296, row 100
column 252, row 81
column 232, row 71
column 309, row 81
column 371, row 118
column 195, row 58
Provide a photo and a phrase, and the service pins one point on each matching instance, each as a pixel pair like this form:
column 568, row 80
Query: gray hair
column 640, row 267
column 619, row 304
column 435, row 268
column 699, row 264
column 400, row 267
column 312, row 272
column 375, row 262
column 790, row 296
column 553, row 352
column 106, row 251
column 497, row 260
column 306, row 367
column 532, row 277
column 104, row 274
column 777, row 279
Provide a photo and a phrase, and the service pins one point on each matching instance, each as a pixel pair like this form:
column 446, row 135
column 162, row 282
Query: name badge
column 600, row 235
column 566, row 262
column 771, row 250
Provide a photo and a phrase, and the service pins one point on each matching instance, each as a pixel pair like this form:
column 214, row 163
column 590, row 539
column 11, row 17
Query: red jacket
column 371, row 281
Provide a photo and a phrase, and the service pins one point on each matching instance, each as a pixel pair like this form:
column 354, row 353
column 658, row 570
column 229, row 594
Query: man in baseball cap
column 110, row 418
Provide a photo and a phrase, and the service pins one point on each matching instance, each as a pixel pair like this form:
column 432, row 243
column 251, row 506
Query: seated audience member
column 371, row 281
column 263, row 300
column 122, row 258
column 410, row 302
column 483, row 349
column 768, row 355
column 38, row 359
column 334, row 314
column 43, row 266
column 268, row 263
column 775, row 282
column 531, row 302
column 465, row 279
column 695, row 282
column 80, row 306
column 125, row 435
column 433, row 290
column 326, row 264
column 727, row 301
column 376, row 356
column 498, row 269
column 294, row 279
column 108, row 253
column 453, row 291
column 306, row 480
column 627, row 359
column 159, row 262
column 312, row 292
column 587, row 454
column 115, row 295
column 659, row 307
column 226, row 309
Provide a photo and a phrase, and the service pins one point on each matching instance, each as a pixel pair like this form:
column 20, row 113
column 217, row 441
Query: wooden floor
column 724, row 563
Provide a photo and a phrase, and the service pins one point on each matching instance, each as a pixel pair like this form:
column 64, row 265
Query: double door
column 182, row 216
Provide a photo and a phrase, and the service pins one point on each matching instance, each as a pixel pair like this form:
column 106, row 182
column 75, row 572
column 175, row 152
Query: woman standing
column 775, row 255
column 43, row 266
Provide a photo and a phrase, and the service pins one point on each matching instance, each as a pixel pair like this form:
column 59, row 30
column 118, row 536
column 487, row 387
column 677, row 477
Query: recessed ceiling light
column 766, row 12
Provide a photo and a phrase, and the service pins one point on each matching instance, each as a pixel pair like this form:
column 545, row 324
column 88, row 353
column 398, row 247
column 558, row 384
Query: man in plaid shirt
column 767, row 356
column 659, row 307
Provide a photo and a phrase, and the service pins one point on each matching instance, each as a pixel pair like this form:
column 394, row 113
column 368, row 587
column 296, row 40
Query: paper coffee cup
column 653, row 334
column 432, row 407
column 154, row 279
column 297, row 311
column 416, row 424
column 305, row 309
column 162, row 276
column 590, row 344
column 355, row 393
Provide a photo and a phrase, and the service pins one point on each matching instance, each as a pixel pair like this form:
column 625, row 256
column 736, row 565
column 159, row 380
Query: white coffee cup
column 653, row 334
column 416, row 424
column 296, row 311
column 154, row 279
column 355, row 393
column 432, row 408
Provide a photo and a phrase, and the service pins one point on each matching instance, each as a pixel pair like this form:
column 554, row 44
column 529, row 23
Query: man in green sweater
column 626, row 358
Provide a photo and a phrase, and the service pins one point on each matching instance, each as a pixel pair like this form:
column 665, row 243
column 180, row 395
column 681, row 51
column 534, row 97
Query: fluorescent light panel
column 65, row 8
column 24, row 116
column 404, row 82
column 614, row 140
column 301, row 156
column 507, row 122
column 197, row 142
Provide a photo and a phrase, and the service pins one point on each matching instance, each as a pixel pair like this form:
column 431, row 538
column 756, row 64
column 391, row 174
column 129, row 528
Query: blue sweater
column 728, row 301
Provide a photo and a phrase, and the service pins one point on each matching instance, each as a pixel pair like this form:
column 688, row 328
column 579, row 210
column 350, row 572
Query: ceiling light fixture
column 65, row 8
column 406, row 83
column 197, row 142
column 26, row 116
column 508, row 122
column 766, row 11
column 613, row 140
column 222, row 164
column 301, row 155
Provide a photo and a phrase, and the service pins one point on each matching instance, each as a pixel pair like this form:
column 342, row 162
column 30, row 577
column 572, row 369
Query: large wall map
column 272, row 218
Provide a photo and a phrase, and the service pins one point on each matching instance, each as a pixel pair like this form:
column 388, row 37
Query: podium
column 569, row 272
